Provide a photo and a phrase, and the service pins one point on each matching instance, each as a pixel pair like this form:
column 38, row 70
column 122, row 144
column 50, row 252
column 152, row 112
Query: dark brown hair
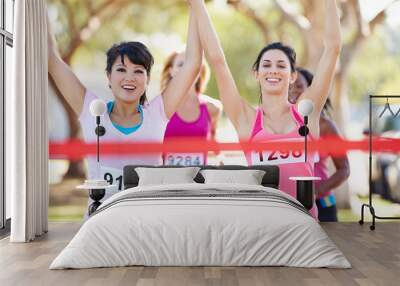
column 287, row 50
column 136, row 52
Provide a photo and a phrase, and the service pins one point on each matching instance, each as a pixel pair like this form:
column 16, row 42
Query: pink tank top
column 199, row 129
column 291, row 164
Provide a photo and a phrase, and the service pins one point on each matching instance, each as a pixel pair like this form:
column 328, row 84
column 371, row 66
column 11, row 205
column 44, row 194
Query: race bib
column 278, row 157
column 113, row 177
column 184, row 159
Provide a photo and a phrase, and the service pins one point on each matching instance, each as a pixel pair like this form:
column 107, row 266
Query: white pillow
column 163, row 176
column 248, row 177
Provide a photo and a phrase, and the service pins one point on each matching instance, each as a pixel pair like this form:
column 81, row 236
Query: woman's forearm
column 179, row 85
column 319, row 90
column 194, row 51
column 332, row 36
column 208, row 35
column 66, row 81
column 52, row 54
column 334, row 181
column 236, row 108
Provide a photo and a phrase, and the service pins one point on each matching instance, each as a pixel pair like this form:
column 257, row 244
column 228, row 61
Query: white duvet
column 185, row 230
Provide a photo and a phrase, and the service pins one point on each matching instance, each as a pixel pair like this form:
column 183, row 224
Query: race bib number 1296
column 277, row 157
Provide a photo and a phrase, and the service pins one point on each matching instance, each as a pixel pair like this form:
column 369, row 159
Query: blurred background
column 369, row 64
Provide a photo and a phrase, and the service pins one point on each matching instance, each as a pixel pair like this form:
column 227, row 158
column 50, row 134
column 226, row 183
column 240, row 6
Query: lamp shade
column 305, row 107
column 98, row 107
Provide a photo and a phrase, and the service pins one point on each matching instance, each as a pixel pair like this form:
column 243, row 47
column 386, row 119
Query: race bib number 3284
column 184, row 159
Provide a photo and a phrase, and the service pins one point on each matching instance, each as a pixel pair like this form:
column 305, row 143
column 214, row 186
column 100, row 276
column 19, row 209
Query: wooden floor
column 374, row 255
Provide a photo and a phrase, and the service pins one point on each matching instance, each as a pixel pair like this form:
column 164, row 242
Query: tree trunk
column 76, row 168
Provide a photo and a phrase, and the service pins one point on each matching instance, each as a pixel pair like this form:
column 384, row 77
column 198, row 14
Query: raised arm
column 66, row 81
column 319, row 90
column 214, row 108
column 180, row 84
column 236, row 108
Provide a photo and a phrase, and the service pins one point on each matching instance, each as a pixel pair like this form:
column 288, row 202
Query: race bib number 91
column 184, row 159
column 113, row 177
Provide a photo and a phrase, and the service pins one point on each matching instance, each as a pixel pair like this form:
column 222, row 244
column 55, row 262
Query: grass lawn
column 383, row 208
column 66, row 213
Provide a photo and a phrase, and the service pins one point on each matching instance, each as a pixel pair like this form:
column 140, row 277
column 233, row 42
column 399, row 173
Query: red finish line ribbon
column 333, row 146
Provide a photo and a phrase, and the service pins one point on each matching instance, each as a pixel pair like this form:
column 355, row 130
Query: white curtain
column 26, row 119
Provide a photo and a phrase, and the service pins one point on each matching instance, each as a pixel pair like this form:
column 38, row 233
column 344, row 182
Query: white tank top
column 152, row 129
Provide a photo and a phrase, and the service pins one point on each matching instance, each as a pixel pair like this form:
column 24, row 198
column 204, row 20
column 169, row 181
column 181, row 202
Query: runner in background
column 325, row 197
column 197, row 117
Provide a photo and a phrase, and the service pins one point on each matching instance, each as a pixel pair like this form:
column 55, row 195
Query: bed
column 201, row 224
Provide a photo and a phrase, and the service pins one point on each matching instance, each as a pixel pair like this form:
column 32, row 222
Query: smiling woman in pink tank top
column 196, row 117
column 274, row 71
column 291, row 162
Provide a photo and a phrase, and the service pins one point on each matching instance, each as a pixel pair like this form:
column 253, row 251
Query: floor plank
column 374, row 255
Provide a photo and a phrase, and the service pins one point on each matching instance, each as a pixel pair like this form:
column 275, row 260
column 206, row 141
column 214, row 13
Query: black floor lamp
column 305, row 185
column 97, row 186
